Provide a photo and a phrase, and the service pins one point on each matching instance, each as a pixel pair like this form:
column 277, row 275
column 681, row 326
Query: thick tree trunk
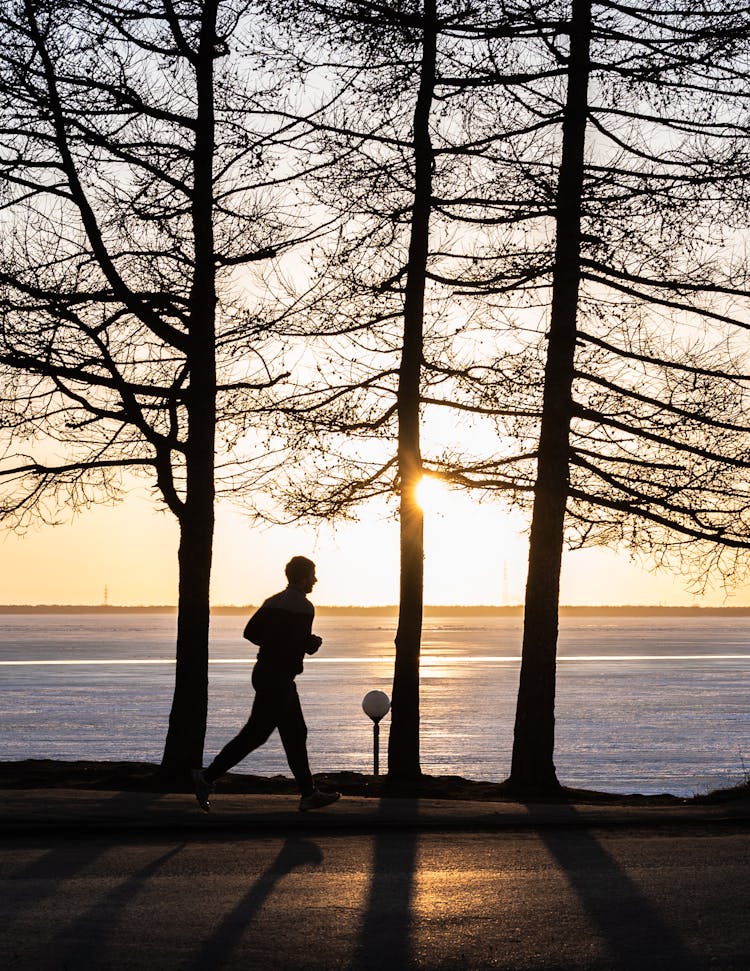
column 532, row 767
column 403, row 744
column 183, row 749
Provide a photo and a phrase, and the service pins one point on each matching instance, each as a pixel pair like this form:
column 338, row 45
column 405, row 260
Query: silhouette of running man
column 282, row 629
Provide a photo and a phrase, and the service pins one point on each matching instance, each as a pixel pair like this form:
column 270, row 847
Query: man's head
column 300, row 572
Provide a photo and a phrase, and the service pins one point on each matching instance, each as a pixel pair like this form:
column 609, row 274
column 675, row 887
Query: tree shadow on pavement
column 62, row 862
column 385, row 939
column 218, row 949
column 83, row 943
column 632, row 929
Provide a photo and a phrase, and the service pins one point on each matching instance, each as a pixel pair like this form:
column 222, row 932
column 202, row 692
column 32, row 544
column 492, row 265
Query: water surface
column 647, row 704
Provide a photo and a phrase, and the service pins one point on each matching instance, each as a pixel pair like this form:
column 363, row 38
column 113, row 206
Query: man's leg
column 293, row 732
column 256, row 732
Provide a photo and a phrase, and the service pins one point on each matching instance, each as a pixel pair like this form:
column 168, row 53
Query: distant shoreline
column 437, row 610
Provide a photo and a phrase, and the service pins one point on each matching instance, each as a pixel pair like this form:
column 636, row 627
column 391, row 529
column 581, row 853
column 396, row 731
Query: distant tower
column 106, row 595
column 506, row 595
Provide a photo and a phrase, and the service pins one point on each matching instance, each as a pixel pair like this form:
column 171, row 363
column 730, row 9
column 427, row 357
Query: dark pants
column 276, row 705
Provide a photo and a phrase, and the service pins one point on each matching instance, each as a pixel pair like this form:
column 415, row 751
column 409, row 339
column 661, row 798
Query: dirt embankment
column 144, row 777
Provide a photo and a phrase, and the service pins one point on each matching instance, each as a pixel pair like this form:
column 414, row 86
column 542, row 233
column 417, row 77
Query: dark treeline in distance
column 306, row 253
column 391, row 610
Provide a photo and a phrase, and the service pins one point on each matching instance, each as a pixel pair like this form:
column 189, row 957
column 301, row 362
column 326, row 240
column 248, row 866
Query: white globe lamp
column 376, row 705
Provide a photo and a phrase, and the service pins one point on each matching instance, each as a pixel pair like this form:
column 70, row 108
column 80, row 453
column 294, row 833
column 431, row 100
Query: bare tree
column 635, row 440
column 361, row 152
column 139, row 183
column 394, row 126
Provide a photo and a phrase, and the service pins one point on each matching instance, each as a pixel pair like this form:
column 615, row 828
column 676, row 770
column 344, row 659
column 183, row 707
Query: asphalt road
column 567, row 898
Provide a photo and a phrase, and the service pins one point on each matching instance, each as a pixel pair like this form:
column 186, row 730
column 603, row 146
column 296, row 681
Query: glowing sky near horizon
column 475, row 554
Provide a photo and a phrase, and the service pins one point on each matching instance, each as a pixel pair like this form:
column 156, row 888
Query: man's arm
column 256, row 628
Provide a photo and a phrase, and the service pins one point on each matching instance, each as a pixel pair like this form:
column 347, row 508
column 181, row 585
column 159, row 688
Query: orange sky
column 474, row 554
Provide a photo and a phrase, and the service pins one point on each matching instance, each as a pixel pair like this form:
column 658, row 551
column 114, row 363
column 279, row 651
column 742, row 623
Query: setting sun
column 432, row 494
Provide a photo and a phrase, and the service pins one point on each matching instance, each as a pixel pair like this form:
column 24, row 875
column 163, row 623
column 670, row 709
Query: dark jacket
column 282, row 629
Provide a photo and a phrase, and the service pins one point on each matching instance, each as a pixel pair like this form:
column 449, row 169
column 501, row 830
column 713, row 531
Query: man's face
column 309, row 581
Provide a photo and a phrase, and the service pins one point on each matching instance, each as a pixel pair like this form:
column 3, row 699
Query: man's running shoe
column 317, row 799
column 203, row 789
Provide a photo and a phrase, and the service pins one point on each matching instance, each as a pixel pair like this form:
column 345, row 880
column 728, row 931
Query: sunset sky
column 475, row 554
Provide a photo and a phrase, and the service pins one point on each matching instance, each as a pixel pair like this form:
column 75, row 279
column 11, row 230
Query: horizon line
column 387, row 609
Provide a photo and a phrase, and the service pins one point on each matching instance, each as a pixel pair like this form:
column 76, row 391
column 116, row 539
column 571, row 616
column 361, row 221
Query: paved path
column 557, row 898
column 71, row 810
column 102, row 880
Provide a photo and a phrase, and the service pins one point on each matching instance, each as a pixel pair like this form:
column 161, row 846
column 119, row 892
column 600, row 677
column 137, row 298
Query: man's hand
column 314, row 644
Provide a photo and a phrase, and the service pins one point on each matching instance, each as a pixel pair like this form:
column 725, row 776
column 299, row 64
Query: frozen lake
column 644, row 704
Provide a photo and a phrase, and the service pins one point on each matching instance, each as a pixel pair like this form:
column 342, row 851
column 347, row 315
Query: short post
column 376, row 704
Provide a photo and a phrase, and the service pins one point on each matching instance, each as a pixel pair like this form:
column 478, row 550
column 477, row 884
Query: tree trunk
column 403, row 743
column 183, row 749
column 532, row 767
